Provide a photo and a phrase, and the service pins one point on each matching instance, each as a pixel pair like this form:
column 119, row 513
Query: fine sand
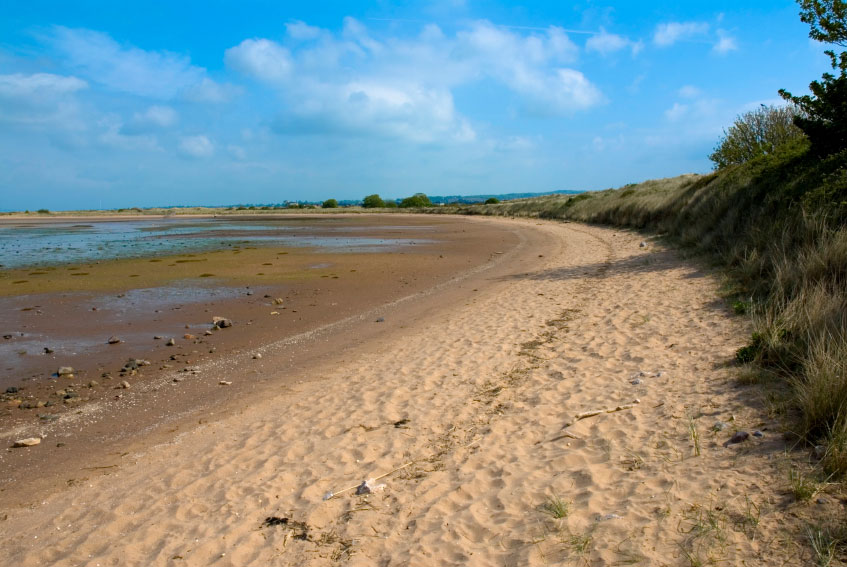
column 470, row 397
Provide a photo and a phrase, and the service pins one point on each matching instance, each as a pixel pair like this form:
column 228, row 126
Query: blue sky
column 117, row 104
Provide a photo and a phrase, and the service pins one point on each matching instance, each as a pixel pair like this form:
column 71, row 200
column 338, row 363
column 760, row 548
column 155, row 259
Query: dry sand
column 475, row 394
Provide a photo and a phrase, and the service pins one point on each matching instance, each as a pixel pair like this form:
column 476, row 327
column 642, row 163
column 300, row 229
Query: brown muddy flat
column 72, row 311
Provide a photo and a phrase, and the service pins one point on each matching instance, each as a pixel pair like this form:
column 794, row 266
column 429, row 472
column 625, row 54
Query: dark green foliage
column 373, row 202
column 391, row 204
column 823, row 115
column 416, row 201
column 492, row 201
column 330, row 204
column 756, row 133
column 43, row 211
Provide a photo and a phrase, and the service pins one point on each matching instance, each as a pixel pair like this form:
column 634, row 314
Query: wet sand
column 136, row 300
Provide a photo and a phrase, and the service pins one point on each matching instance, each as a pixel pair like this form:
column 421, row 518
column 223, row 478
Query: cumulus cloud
column 676, row 112
column 403, row 87
column 196, row 146
column 155, row 74
column 261, row 59
column 41, row 100
column 667, row 34
column 208, row 90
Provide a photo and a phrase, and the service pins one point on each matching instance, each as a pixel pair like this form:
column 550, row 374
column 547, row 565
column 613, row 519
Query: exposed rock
column 257, row 355
column 636, row 382
column 225, row 383
column 739, row 437
column 170, row 342
column 819, row 452
column 758, row 434
column 93, row 384
column 720, row 426
column 642, row 245
column 158, row 337
column 65, row 371
column 125, row 385
column 278, row 301
column 48, row 350
column 221, row 322
column 12, row 390
column 380, row 319
column 188, row 337
column 208, row 332
column 113, row 340
column 28, row 442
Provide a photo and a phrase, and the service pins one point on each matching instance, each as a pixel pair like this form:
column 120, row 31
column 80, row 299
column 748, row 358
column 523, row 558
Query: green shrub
column 391, row 204
column 330, row 204
column 756, row 133
column 417, row 200
column 492, row 201
column 373, row 202
column 43, row 211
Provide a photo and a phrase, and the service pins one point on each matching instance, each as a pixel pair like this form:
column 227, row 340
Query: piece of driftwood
column 592, row 413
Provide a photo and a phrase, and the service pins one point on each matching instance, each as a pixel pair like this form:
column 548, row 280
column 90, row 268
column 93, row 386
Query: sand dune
column 475, row 396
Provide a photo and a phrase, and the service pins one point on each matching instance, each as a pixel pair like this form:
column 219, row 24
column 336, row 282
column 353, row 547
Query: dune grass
column 778, row 225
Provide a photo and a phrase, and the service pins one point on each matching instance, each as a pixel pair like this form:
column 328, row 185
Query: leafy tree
column 330, row 204
column 755, row 133
column 416, row 200
column 391, row 204
column 492, row 201
column 373, row 202
column 823, row 114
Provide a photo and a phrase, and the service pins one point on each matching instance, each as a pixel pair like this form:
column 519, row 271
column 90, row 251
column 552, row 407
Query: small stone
column 636, row 382
column 380, row 320
column 225, row 383
column 28, row 442
column 257, row 355
column 819, row 452
column 12, row 390
column 739, row 437
column 208, row 332
column 157, row 337
column 93, row 384
column 607, row 517
column 65, row 371
column 70, row 394
column 821, row 501
column 278, row 301
column 113, row 340
column 221, row 322
column 369, row 487
column 249, row 293
column 48, row 350
column 125, row 385
column 7, row 337
column 170, row 342
column 642, row 245
column 188, row 337
column 720, row 426
column 141, row 362
column 758, row 434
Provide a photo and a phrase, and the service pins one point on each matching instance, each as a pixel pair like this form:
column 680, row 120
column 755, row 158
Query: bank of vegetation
column 774, row 215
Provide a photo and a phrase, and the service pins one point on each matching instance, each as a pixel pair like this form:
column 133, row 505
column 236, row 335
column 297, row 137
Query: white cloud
column 260, row 58
column 237, row 152
column 39, row 85
column 669, row 33
column 403, row 87
column 155, row 74
column 162, row 116
column 196, row 146
column 606, row 43
column 725, row 43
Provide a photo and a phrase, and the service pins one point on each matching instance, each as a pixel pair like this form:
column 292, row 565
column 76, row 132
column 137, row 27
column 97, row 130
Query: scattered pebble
column 225, row 383
column 278, row 301
column 12, row 390
column 221, row 322
column 113, row 340
column 170, row 342
column 720, row 426
column 636, row 382
column 380, row 320
column 739, row 437
column 257, row 355
column 607, row 517
column 188, row 337
column 28, row 442
column 819, row 452
column 157, row 337
column 369, row 487
column 48, row 350
column 65, row 371
column 125, row 385
column 208, row 332
column 643, row 244
column 758, row 434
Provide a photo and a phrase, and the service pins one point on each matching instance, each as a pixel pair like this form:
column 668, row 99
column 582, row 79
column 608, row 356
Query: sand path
column 475, row 396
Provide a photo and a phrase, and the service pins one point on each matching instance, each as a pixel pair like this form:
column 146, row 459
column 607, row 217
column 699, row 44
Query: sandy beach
column 472, row 396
